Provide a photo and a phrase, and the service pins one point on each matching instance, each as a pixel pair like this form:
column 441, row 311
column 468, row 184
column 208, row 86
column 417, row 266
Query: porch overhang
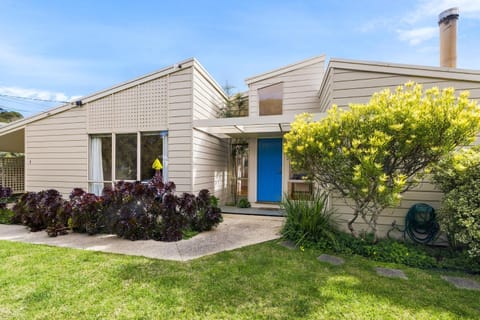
column 248, row 126
column 13, row 140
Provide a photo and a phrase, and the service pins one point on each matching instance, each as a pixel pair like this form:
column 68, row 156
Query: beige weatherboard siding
column 210, row 153
column 56, row 152
column 349, row 81
column 300, row 86
column 56, row 142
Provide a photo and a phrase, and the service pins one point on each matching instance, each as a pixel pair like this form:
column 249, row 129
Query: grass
column 264, row 281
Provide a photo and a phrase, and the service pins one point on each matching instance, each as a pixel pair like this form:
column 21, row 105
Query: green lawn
column 264, row 281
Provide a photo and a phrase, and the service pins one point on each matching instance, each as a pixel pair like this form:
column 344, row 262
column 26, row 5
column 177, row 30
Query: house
column 172, row 115
column 117, row 133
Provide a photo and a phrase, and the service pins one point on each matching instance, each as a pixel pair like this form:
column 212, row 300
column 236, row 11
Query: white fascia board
column 406, row 69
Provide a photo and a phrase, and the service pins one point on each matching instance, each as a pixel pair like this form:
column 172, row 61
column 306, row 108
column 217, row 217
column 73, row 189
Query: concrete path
column 234, row 232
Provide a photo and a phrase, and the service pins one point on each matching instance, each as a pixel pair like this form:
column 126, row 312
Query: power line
column 34, row 99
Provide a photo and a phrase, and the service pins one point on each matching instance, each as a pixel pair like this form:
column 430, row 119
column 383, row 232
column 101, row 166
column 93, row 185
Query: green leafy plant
column 374, row 152
column 243, row 203
column 6, row 216
column 309, row 221
column 235, row 106
column 458, row 176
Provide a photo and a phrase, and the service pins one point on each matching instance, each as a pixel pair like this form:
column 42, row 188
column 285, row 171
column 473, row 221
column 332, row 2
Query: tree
column 373, row 152
column 9, row 116
column 235, row 106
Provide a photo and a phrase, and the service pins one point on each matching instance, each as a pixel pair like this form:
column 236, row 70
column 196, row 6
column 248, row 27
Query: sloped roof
column 399, row 69
column 285, row 69
column 20, row 124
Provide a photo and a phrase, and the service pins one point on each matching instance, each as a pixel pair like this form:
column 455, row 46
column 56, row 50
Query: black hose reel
column 421, row 224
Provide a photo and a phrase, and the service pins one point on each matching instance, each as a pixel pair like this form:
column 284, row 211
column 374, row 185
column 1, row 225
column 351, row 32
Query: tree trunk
column 350, row 223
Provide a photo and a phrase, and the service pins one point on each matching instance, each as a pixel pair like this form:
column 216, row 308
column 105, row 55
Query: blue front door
column 269, row 170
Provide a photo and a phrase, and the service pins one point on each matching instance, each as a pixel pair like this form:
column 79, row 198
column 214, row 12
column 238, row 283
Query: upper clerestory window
column 271, row 99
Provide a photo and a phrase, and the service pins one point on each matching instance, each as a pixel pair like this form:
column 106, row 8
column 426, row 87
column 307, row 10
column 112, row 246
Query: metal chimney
column 447, row 21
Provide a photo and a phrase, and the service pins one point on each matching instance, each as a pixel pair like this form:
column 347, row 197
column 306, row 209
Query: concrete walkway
column 234, row 232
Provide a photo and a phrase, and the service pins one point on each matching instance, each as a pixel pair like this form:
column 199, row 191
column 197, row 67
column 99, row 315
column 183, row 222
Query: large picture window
column 271, row 99
column 133, row 155
column 126, row 157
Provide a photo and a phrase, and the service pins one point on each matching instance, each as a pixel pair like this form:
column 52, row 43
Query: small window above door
column 271, row 99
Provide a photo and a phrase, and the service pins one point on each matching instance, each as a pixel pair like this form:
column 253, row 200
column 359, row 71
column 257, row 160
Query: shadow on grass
column 261, row 281
column 281, row 283
column 258, row 281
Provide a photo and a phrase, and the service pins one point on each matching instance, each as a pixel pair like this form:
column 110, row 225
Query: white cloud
column 36, row 94
column 418, row 35
column 427, row 8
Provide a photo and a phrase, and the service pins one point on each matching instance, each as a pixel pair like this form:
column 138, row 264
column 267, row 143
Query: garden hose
column 421, row 224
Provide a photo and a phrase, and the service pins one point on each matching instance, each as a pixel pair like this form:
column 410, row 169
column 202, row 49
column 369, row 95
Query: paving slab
column 391, row 273
column 333, row 260
column 234, row 232
column 462, row 283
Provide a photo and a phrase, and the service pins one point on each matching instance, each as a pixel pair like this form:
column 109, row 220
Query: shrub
column 202, row 211
column 43, row 210
column 458, row 176
column 171, row 221
column 5, row 195
column 134, row 211
column 243, row 203
column 309, row 221
column 55, row 210
column 385, row 250
column 87, row 211
column 6, row 216
column 27, row 213
column 374, row 152
column 208, row 213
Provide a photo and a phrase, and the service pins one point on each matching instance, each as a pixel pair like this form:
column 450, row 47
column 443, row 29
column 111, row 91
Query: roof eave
column 405, row 69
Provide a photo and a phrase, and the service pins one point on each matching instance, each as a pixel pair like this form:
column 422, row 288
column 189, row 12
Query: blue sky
column 64, row 49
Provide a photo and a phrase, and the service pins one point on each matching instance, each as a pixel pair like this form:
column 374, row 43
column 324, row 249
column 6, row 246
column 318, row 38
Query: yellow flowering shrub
column 458, row 176
column 373, row 152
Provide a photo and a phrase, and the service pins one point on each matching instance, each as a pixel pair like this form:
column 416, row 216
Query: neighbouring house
column 172, row 115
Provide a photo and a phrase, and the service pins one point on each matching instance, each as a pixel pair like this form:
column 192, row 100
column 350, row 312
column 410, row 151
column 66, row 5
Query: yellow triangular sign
column 157, row 165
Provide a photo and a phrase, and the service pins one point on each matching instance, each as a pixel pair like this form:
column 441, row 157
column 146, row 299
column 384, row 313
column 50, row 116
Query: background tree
column 373, row 152
column 235, row 106
column 9, row 116
column 5, row 117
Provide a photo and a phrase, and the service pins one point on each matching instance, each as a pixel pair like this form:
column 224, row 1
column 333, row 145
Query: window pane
column 152, row 148
column 107, row 158
column 100, row 162
column 126, row 156
column 240, row 163
column 271, row 99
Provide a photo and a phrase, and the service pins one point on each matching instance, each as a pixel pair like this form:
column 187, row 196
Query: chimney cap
column 448, row 14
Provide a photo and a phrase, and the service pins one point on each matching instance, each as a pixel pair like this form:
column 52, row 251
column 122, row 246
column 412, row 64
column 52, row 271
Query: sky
column 62, row 50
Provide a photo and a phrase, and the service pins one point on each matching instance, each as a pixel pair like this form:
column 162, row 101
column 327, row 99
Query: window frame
column 113, row 136
column 281, row 84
